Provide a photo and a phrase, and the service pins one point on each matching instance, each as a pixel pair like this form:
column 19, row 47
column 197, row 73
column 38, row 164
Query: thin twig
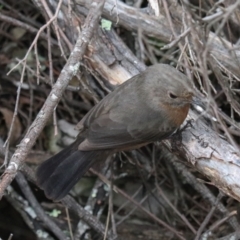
column 69, row 70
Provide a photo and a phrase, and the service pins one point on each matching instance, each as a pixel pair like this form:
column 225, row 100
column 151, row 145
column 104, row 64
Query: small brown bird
column 148, row 107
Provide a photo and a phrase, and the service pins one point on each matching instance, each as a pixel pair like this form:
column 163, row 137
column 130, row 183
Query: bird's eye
column 173, row 96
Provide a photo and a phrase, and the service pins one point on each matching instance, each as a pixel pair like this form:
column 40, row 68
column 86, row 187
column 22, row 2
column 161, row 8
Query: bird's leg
column 176, row 138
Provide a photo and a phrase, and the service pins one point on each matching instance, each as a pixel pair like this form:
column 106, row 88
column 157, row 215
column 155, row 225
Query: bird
column 148, row 107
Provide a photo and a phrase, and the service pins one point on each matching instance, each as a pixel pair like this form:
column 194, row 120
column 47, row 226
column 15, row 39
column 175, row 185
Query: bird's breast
column 175, row 114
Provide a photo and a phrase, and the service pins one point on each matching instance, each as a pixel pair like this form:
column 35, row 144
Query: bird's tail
column 57, row 175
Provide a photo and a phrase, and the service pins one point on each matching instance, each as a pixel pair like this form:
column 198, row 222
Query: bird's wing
column 105, row 133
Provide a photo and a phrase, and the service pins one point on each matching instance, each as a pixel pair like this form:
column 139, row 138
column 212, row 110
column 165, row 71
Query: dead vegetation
column 58, row 59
